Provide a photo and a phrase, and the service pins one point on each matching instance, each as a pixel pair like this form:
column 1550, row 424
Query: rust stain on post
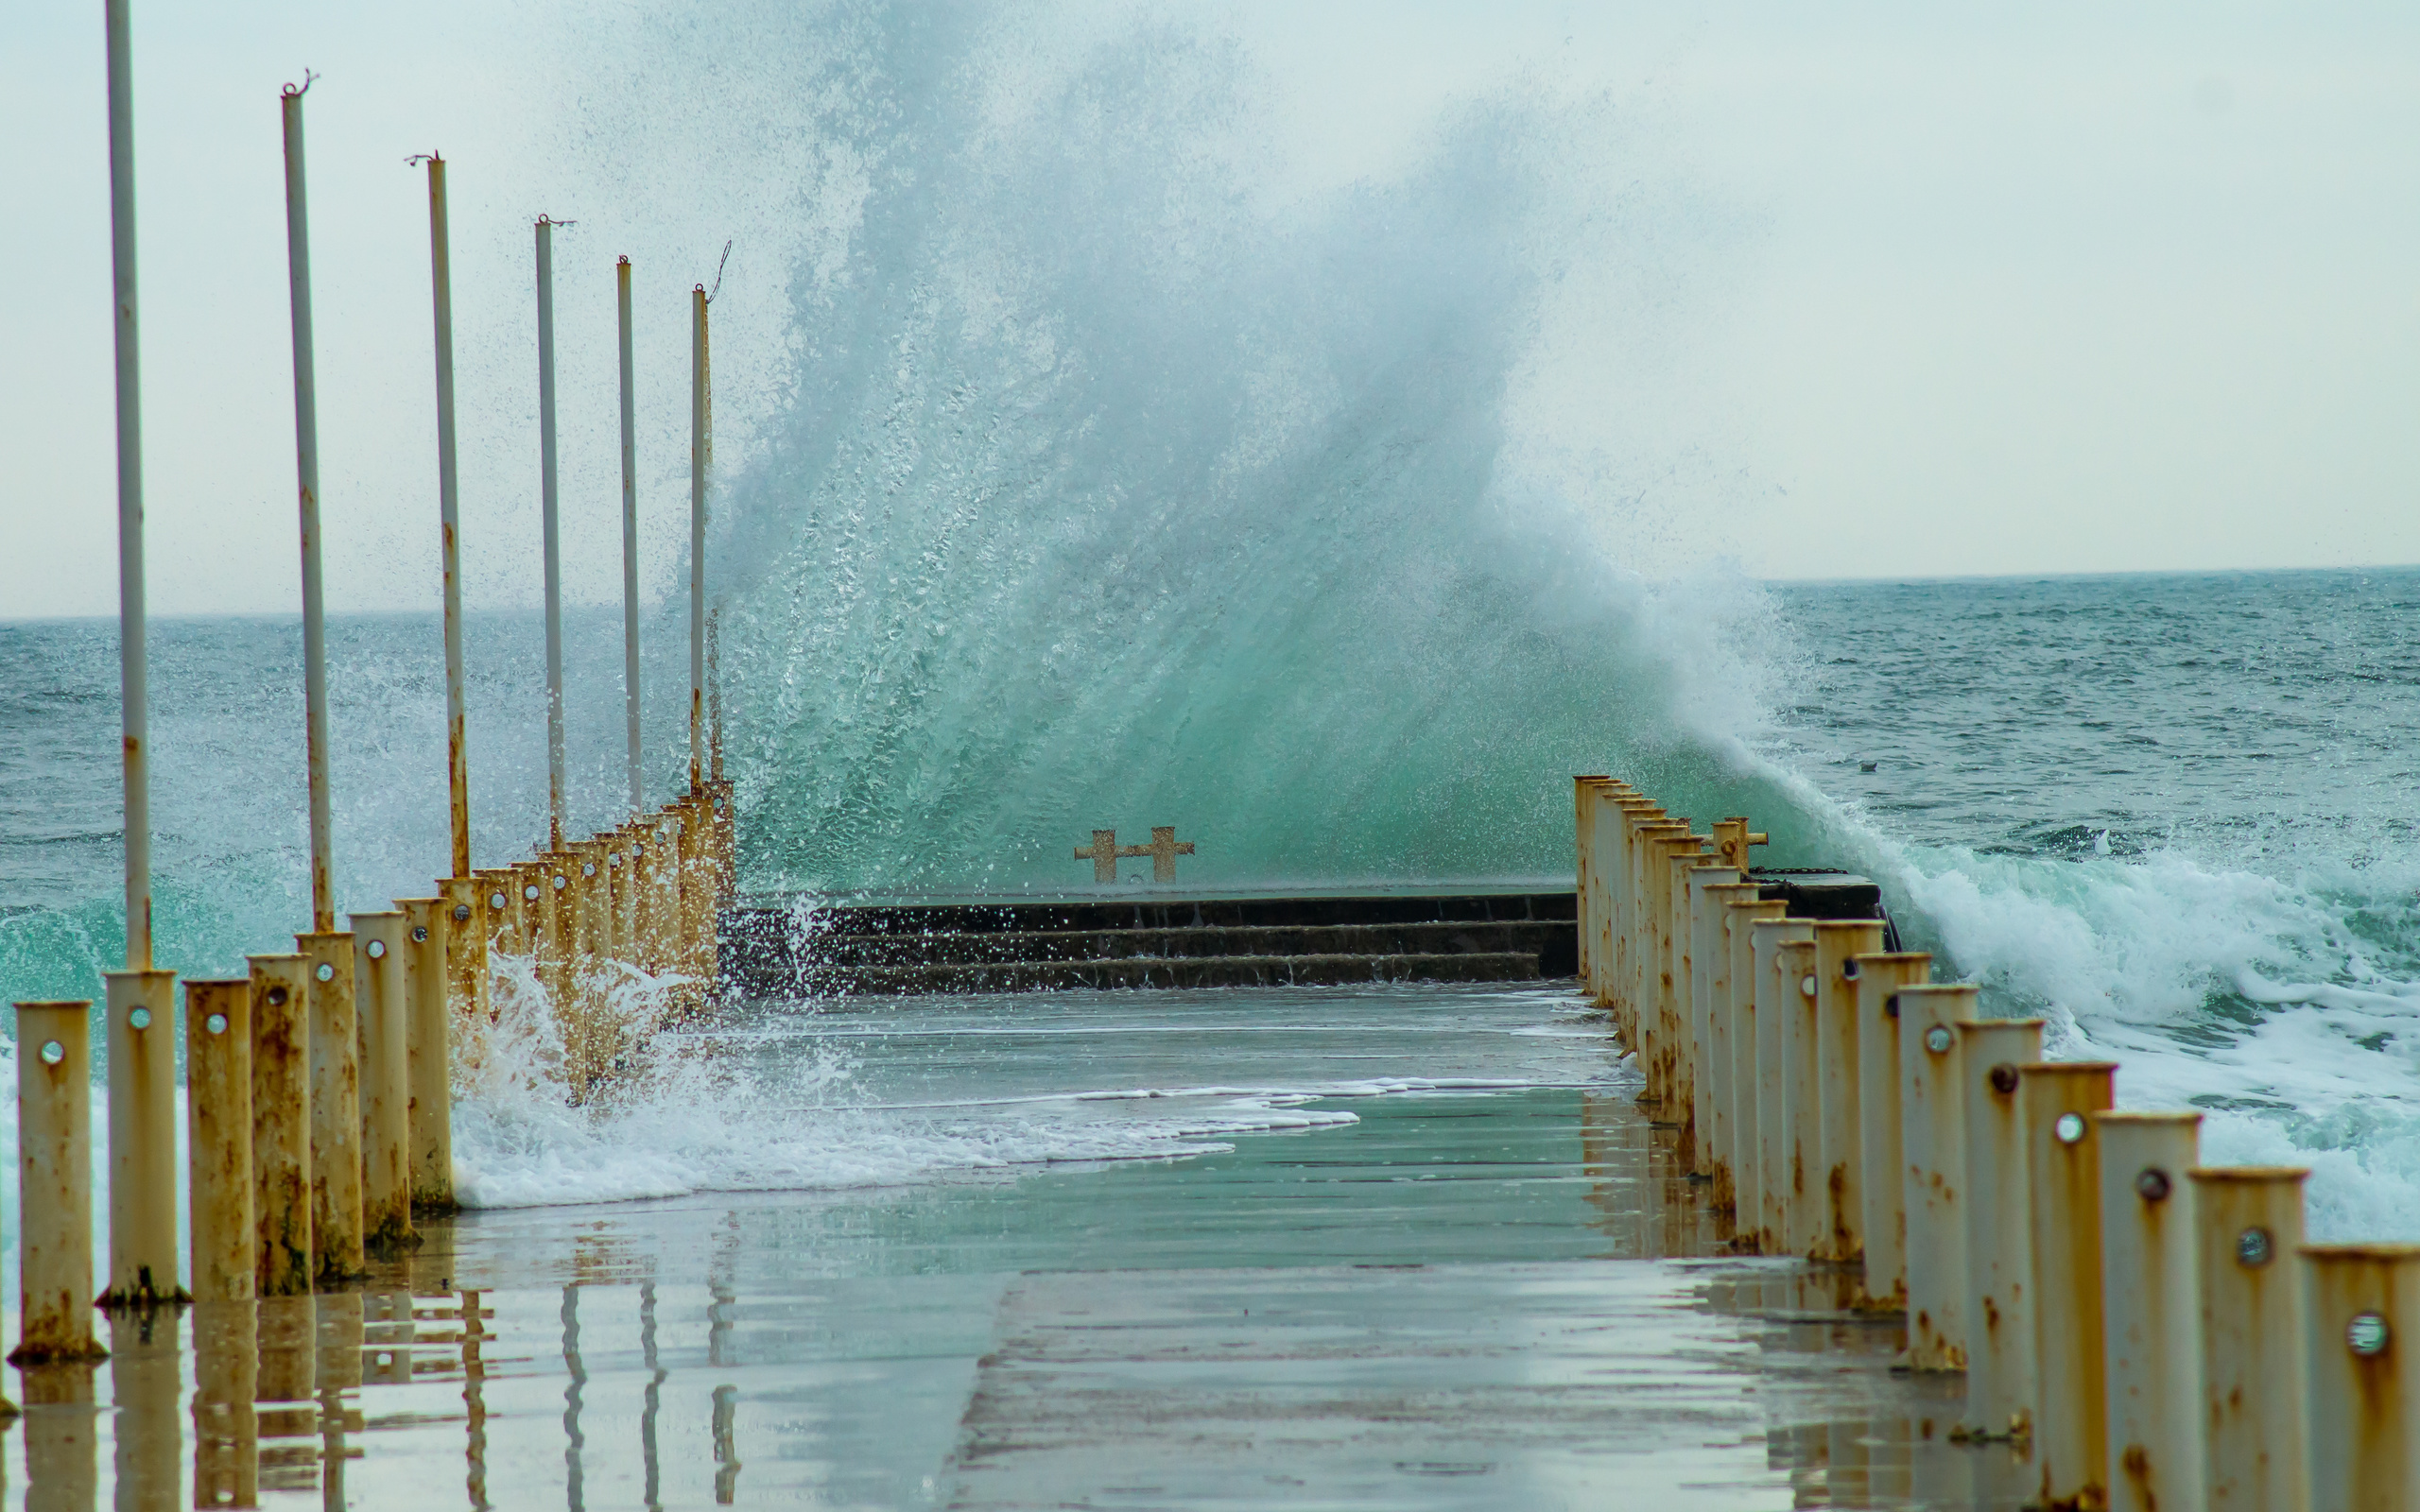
column 334, row 1061
column 382, row 1014
column 140, row 1017
column 218, row 1139
column 281, row 1124
column 2249, row 1220
column 55, row 1183
column 2363, row 1339
column 428, row 1057
column 2056, row 1102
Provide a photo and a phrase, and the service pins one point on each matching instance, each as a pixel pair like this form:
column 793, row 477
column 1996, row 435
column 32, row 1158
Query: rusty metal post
column 1634, row 1012
column 699, row 462
column 2056, row 1101
column 306, row 472
column 1999, row 1247
column 1807, row 1226
column 1884, row 1223
column 2363, row 1307
column 1932, row 1178
column 1619, row 852
column 2249, row 1220
column 383, row 1006
column 1840, row 1164
column 552, row 533
column 726, row 837
column 427, row 1057
column 466, row 950
column 335, row 1060
column 1583, row 835
column 1724, row 1016
column 133, row 674
column 1747, row 1141
column 1776, row 1022
column 620, row 896
column 630, row 532
column 218, row 1138
column 714, row 696
column 698, row 892
column 2150, row 1322
column 1700, row 922
column 1672, row 923
column 1659, row 1023
column 535, row 884
column 554, row 953
column 141, row 1025
column 441, row 284
column 55, row 1183
column 281, row 1124
column 496, row 901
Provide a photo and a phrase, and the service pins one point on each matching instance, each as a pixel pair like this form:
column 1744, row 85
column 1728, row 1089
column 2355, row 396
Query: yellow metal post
column 281, row 1123
column 1807, row 1231
column 2254, row 1355
column 2057, row 1101
column 2152, row 1321
column 335, row 1060
column 1932, row 1178
column 1723, row 1017
column 1999, row 1247
column 55, row 1183
column 383, row 1005
column 466, row 949
column 428, row 1057
column 141, row 1018
column 218, row 1138
column 1747, row 1135
column 1776, row 1023
column 2364, row 1412
column 1883, row 1228
column 1840, row 1164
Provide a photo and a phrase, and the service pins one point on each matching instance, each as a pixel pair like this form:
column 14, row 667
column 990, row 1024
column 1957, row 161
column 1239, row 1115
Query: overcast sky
column 2045, row 289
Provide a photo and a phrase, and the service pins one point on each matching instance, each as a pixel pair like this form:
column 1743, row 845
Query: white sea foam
column 2248, row 995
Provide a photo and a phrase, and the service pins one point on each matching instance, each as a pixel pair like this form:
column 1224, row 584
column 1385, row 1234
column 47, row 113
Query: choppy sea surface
column 2171, row 813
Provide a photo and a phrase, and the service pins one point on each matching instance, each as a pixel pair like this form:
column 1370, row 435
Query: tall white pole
column 134, row 679
column 553, row 537
column 629, row 534
column 458, row 759
column 306, row 470
column 697, row 443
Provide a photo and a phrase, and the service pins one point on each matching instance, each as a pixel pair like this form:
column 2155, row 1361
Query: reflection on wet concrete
column 1491, row 1298
column 62, row 1438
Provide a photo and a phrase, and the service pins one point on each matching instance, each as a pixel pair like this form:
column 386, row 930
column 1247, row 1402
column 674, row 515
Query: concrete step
column 1157, row 911
column 1146, row 971
column 1081, row 945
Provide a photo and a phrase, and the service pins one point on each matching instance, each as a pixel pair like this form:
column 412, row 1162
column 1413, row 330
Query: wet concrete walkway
column 1494, row 1293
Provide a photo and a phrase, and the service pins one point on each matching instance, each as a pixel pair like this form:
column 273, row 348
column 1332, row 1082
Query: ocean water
column 1110, row 473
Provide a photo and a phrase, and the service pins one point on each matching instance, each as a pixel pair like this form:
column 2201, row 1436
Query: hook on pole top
column 718, row 267
column 295, row 92
column 623, row 261
column 419, row 157
column 544, row 220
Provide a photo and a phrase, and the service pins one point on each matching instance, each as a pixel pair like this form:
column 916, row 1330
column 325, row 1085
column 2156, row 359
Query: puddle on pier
column 1491, row 1293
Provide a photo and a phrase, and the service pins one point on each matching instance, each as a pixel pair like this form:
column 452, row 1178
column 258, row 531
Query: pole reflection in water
column 62, row 1442
column 653, row 1495
column 147, row 1382
column 342, row 1329
column 285, row 1388
column 572, row 1442
column 726, row 1451
column 475, row 1375
column 226, row 1429
column 386, row 1338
